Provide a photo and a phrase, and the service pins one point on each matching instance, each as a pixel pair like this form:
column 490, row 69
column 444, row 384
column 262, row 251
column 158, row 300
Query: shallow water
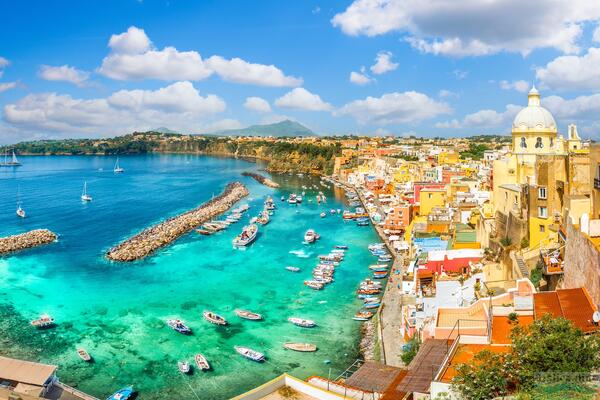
column 117, row 311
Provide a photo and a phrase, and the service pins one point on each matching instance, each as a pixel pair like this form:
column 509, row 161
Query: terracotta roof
column 424, row 366
column 572, row 304
column 501, row 328
column 25, row 371
column 465, row 353
column 546, row 303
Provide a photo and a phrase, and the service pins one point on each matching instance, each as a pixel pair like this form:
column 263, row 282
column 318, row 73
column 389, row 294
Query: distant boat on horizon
column 84, row 195
column 117, row 168
column 12, row 163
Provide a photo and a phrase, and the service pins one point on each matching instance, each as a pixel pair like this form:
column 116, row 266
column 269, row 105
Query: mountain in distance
column 162, row 129
column 285, row 128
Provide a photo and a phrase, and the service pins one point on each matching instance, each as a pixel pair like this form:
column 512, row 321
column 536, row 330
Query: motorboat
column 263, row 218
column 184, row 367
column 201, row 362
column 304, row 323
column 341, row 247
column 292, row 199
column 311, row 236
column 247, row 236
column 282, row 198
column 363, row 316
column 122, row 394
column 250, row 354
column 214, row 318
column 293, row 269
column 44, row 321
column 178, row 326
column 315, row 285
column 372, row 305
column 301, row 347
column 245, row 314
column 362, row 223
column 378, row 268
column 84, row 355
column 323, row 215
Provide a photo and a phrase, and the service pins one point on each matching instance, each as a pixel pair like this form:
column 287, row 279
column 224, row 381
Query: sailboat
column 20, row 211
column 12, row 163
column 84, row 195
column 118, row 169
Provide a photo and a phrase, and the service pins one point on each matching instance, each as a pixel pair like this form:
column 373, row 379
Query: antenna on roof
column 596, row 317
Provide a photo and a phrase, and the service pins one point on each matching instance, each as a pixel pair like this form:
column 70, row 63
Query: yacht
column 247, row 236
column 85, row 196
column 310, row 236
column 117, row 168
column 13, row 161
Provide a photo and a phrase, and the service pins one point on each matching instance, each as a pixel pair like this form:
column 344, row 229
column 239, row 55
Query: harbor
column 261, row 179
column 27, row 240
column 164, row 233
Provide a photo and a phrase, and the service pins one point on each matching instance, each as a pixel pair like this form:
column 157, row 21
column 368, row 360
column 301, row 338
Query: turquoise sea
column 118, row 311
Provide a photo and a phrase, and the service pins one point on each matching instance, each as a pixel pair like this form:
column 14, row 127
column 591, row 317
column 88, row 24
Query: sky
column 377, row 67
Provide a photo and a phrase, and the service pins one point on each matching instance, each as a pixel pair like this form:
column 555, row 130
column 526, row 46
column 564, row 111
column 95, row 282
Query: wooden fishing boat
column 201, row 362
column 84, row 355
column 184, row 367
column 363, row 316
column 205, row 232
column 178, row 326
column 368, row 291
column 248, row 315
column 304, row 323
column 301, row 347
column 314, row 284
column 250, row 354
column 214, row 318
column 43, row 322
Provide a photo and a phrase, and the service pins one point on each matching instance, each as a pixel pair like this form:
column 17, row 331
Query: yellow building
column 448, row 157
column 431, row 198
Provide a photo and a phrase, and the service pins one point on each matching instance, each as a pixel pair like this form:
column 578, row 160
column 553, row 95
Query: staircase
column 522, row 266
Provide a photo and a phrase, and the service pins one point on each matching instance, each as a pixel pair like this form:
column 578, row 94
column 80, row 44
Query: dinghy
column 304, row 323
column 84, row 355
column 248, row 315
column 122, row 394
column 250, row 354
column 201, row 362
column 301, row 347
column 184, row 367
column 178, row 326
column 214, row 318
column 363, row 316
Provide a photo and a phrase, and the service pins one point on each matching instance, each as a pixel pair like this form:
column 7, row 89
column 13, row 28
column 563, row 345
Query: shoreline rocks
column 27, row 240
column 262, row 179
column 166, row 232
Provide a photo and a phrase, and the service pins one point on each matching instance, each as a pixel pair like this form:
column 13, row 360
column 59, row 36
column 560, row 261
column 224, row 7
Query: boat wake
column 300, row 253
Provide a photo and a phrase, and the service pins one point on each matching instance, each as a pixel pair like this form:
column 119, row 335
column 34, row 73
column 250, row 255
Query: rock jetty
column 160, row 235
column 34, row 238
column 262, row 179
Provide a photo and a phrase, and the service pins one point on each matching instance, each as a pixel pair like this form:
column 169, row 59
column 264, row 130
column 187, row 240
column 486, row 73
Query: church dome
column 534, row 117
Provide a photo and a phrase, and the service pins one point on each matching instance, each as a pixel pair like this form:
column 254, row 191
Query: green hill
column 285, row 128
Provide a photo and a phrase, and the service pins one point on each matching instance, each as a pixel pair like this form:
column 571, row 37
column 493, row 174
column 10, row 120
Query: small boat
column 84, row 355
column 323, row 215
column 304, row 323
column 122, row 394
column 20, row 212
column 363, row 316
column 214, row 318
column 118, row 169
column 292, row 199
column 315, row 285
column 201, row 362
column 250, row 354
column 205, row 232
column 282, row 198
column 310, row 236
column 184, row 367
column 85, row 196
column 44, row 321
column 302, row 347
column 247, row 236
column 362, row 223
column 12, row 163
column 378, row 268
column 380, row 275
column 178, row 326
column 341, row 247
column 372, row 305
column 293, row 269
column 248, row 315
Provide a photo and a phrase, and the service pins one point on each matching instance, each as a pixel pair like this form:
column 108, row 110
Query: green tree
column 482, row 379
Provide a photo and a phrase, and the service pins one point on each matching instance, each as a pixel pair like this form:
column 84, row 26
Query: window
column 542, row 228
column 551, row 142
column 542, row 193
column 523, row 143
column 430, row 195
column 538, row 143
column 506, row 193
column 543, row 212
column 516, row 200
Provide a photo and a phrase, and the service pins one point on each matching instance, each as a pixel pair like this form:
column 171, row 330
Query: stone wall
column 582, row 263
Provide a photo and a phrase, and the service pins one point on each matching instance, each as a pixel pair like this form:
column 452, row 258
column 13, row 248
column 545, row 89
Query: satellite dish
column 596, row 317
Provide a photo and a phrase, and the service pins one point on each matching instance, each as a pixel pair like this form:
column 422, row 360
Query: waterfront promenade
column 164, row 233
column 34, row 238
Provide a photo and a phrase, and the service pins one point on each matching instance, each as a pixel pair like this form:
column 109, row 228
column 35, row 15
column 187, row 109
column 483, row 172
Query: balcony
column 596, row 183
column 553, row 262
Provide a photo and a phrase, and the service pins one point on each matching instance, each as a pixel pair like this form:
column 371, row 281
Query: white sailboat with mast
column 13, row 161
column 117, row 168
column 85, row 196
column 20, row 211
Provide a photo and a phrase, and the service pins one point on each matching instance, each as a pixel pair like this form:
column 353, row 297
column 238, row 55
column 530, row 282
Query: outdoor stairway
column 522, row 266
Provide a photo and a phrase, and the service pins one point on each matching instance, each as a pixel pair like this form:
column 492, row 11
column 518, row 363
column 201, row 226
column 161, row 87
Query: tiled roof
column 501, row 327
column 572, row 304
column 423, row 367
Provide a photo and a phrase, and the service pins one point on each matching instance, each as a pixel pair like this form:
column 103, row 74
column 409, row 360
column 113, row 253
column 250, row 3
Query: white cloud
column 3, row 64
column 360, row 78
column 580, row 108
column 473, row 27
column 240, row 71
column 178, row 106
column 64, row 73
column 133, row 57
column 572, row 72
column 596, row 35
column 302, row 99
column 257, row 104
column 520, row 86
column 383, row 63
column 394, row 108
column 4, row 86
column 484, row 118
column 448, row 94
column 460, row 74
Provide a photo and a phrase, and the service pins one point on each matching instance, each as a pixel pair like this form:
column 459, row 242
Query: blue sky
column 430, row 68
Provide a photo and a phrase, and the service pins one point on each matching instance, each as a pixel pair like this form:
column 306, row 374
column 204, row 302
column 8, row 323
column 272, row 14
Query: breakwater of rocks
column 261, row 179
column 34, row 238
column 164, row 233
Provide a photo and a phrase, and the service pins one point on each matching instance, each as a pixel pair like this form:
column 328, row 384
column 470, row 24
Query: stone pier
column 34, row 238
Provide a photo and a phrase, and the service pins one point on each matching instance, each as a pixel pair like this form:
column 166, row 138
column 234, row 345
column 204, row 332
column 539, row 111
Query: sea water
column 117, row 311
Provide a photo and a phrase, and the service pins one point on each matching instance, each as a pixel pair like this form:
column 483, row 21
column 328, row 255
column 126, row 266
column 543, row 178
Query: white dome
column 534, row 116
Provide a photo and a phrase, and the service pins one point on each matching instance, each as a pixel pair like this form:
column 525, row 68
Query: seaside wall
column 261, row 179
column 162, row 234
column 582, row 263
column 34, row 238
